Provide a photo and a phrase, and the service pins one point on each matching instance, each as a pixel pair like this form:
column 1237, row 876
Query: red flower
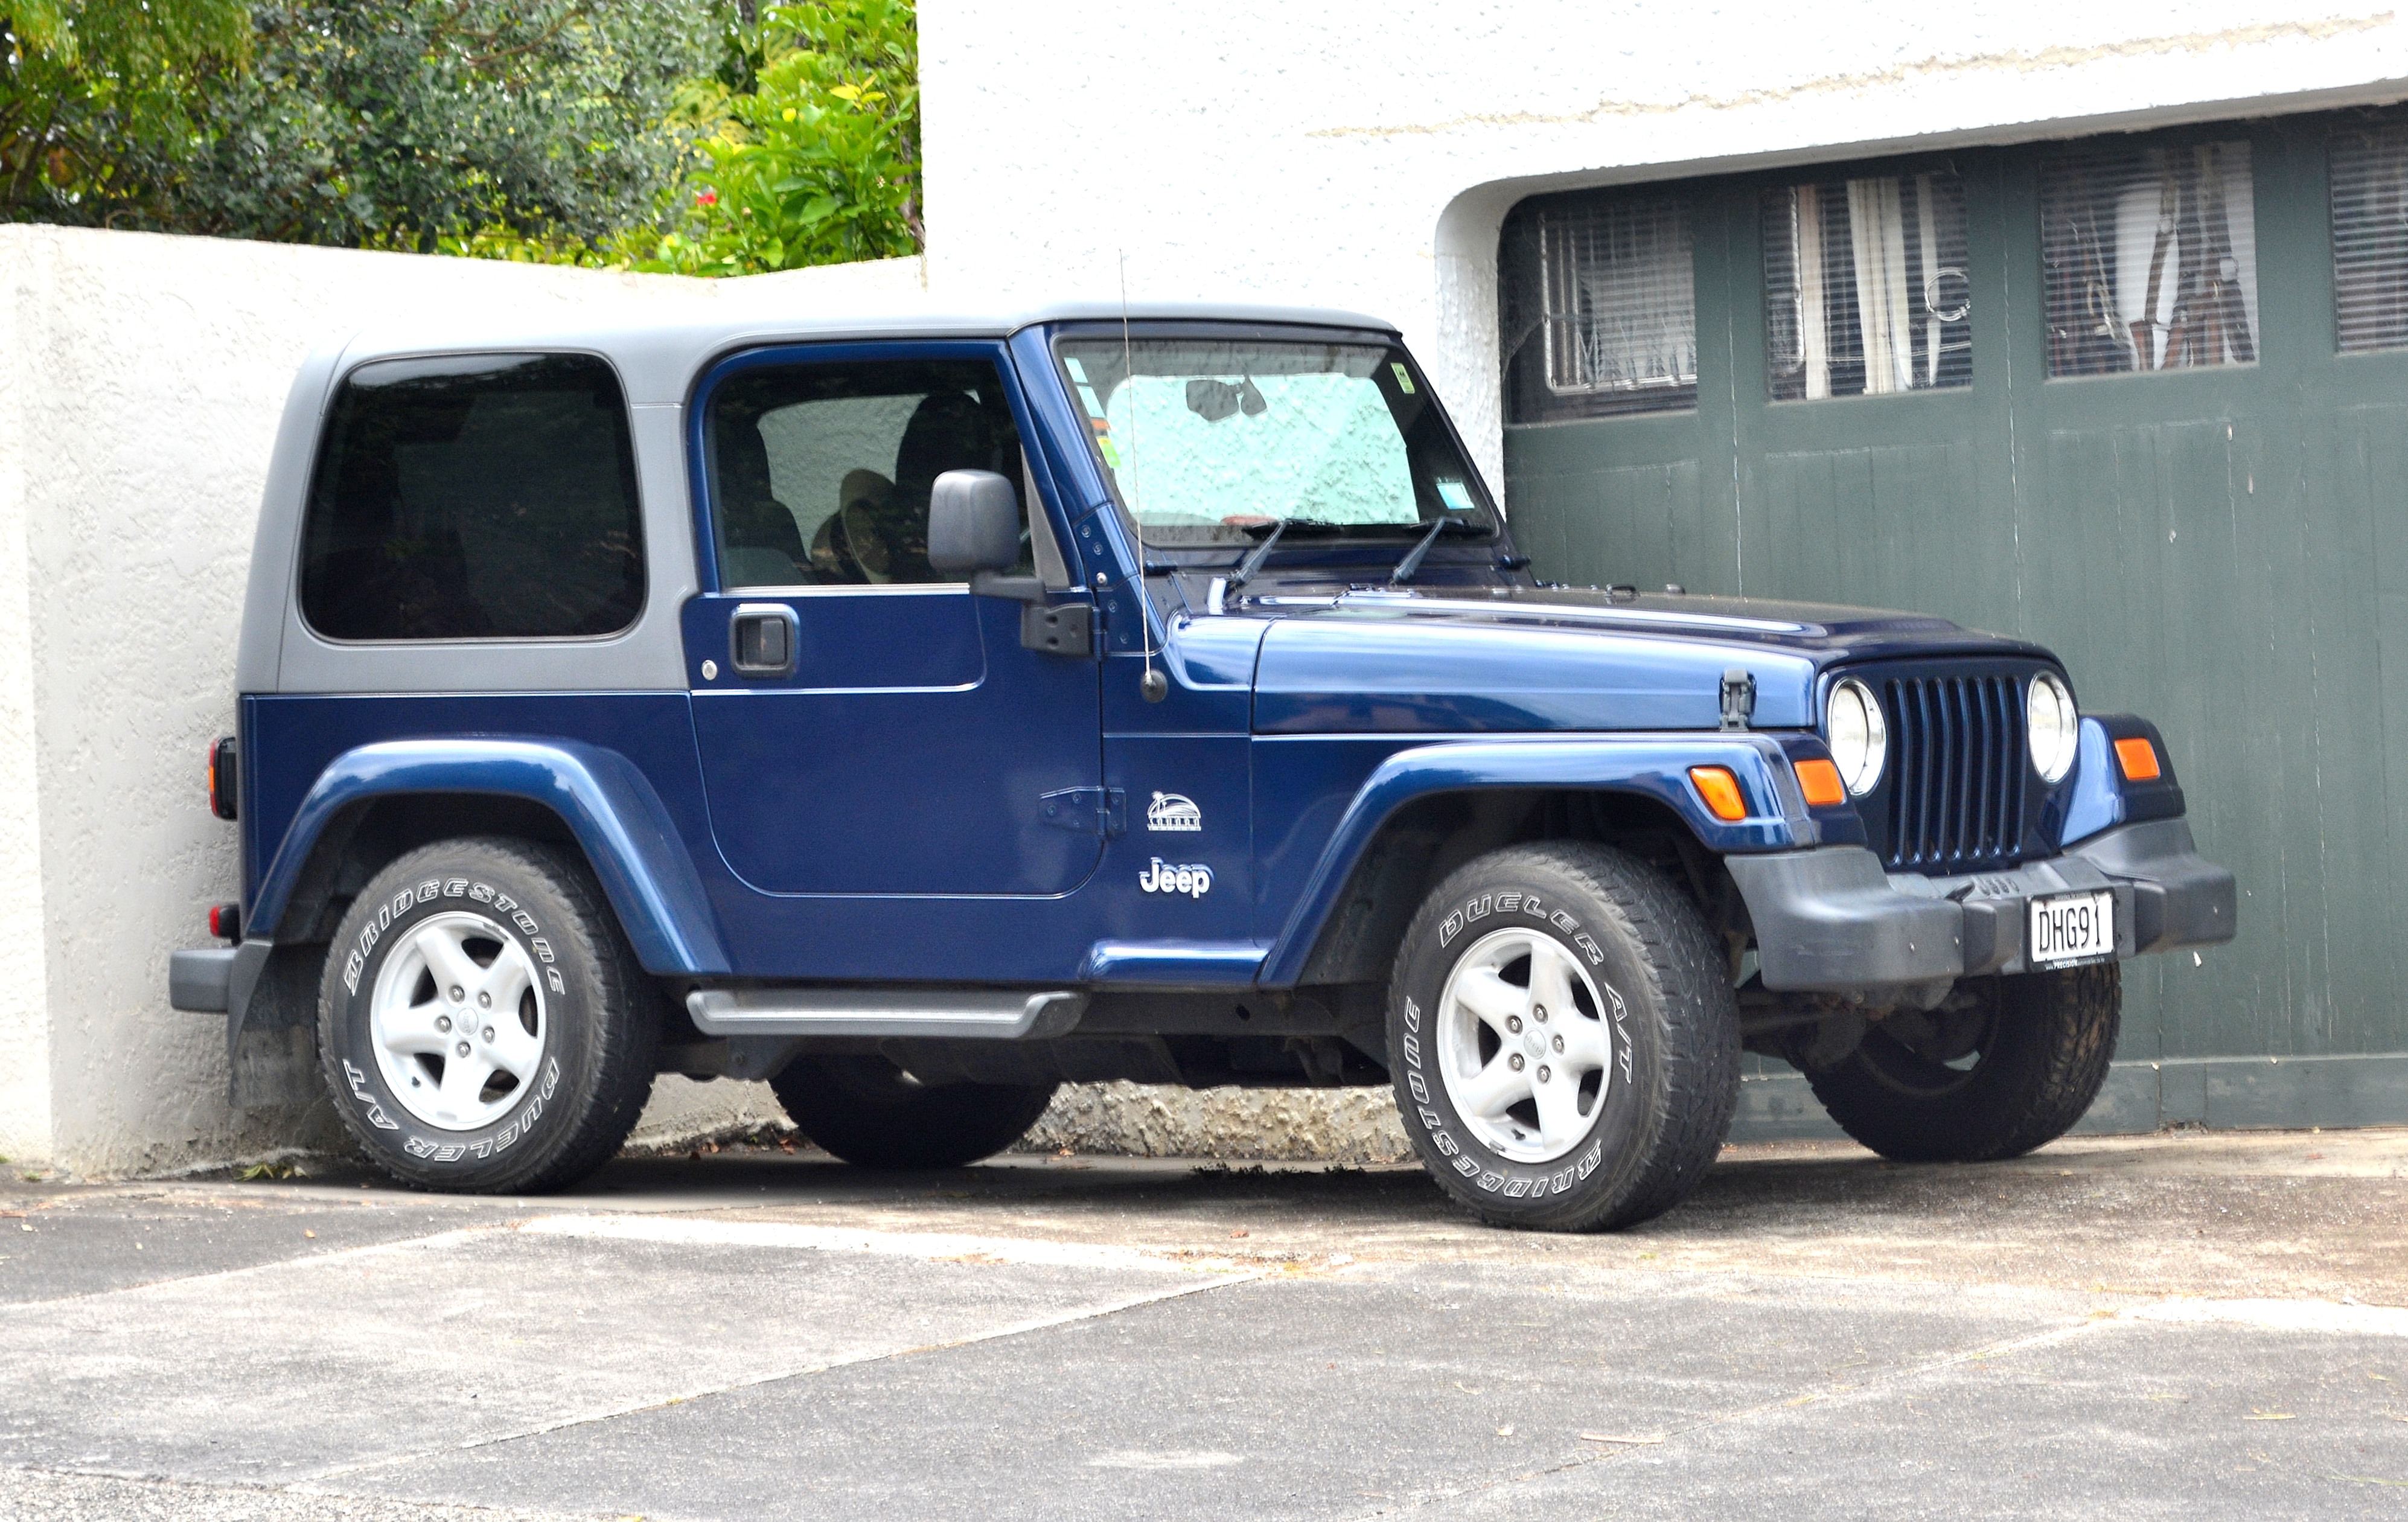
column 706, row 198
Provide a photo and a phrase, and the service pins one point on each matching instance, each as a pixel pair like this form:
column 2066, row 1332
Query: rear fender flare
column 1651, row 765
column 609, row 805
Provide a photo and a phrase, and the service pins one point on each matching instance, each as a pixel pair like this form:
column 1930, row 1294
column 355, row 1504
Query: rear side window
column 484, row 496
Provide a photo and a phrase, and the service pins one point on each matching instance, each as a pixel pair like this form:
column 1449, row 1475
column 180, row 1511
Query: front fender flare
column 1654, row 766
column 607, row 804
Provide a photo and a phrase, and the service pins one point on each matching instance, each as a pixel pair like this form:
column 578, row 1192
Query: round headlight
column 1860, row 740
column 2055, row 728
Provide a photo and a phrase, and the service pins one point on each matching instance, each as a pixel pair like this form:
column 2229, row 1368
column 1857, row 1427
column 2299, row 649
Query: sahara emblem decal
column 1173, row 813
column 1193, row 879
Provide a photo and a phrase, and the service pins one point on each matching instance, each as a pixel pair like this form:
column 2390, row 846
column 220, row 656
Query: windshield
column 1211, row 439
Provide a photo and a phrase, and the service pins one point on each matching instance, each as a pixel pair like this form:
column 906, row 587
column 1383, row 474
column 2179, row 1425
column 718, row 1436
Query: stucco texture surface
column 1364, row 157
column 141, row 382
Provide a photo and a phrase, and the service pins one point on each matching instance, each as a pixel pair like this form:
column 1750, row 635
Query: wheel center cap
column 1534, row 1041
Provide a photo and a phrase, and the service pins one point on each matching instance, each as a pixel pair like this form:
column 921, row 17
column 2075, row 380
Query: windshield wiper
column 1410, row 566
column 1255, row 558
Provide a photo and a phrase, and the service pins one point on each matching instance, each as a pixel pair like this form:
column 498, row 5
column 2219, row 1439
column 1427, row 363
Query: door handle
column 762, row 638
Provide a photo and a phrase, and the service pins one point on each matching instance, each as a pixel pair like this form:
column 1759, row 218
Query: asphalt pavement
column 2193, row 1326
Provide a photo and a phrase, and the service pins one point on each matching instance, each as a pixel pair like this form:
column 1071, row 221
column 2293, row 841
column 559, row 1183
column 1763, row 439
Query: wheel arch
column 1426, row 812
column 378, row 802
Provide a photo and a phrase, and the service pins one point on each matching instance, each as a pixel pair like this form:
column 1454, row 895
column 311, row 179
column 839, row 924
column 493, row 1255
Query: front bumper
column 1832, row 921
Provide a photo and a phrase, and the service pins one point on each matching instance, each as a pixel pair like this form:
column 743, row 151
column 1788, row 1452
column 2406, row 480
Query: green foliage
column 655, row 135
column 819, row 162
column 83, row 78
column 811, row 157
column 391, row 124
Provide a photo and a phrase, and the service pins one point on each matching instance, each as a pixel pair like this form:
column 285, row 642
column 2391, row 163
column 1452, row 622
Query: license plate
column 2070, row 927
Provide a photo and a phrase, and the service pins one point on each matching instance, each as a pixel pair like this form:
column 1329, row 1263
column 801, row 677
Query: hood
column 1522, row 659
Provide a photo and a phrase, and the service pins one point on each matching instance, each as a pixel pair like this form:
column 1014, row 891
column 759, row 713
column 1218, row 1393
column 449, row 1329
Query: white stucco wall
column 1363, row 155
column 141, row 379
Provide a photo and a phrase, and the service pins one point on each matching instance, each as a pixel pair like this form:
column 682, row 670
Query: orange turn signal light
column 2139, row 759
column 1819, row 779
column 1720, row 789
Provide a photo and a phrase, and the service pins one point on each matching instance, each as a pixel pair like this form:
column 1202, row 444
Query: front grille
column 1957, row 791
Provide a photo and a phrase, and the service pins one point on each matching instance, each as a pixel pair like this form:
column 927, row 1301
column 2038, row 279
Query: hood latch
column 1738, row 697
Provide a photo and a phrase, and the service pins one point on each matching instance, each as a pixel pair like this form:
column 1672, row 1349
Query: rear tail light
column 223, row 778
column 225, row 921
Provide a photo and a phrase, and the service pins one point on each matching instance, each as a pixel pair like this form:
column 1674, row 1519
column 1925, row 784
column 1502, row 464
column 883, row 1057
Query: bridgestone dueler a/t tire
column 600, row 1026
column 2040, row 1068
column 866, row 1111
column 1672, row 1071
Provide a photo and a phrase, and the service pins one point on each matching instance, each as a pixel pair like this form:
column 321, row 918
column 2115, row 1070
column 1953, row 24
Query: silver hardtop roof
column 659, row 343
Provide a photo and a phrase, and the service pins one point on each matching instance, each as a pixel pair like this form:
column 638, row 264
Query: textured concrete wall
column 1363, row 156
column 140, row 384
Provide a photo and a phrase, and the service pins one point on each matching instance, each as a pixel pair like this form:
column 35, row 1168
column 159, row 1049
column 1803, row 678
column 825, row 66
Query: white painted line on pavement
column 2278, row 1315
column 935, row 1246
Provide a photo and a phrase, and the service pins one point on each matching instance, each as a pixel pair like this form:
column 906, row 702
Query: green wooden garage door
column 2205, row 515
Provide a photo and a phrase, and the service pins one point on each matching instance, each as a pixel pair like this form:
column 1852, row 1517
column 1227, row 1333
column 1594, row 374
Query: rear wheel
column 482, row 1023
column 868, row 1112
column 1563, row 1039
column 2012, row 1071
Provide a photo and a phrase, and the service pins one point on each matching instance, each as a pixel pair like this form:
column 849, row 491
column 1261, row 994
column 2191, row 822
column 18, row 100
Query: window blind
column 1865, row 287
column 2370, row 238
column 2151, row 257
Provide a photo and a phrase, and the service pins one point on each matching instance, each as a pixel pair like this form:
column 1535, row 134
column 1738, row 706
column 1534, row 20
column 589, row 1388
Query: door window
column 475, row 496
column 820, row 474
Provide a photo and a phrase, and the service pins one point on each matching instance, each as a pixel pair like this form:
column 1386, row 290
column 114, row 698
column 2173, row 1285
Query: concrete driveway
column 2189, row 1325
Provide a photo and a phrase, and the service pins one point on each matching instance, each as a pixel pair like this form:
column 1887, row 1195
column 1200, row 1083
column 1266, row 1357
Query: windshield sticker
column 1111, row 455
column 1457, row 495
column 1173, row 812
column 1078, row 371
column 1404, row 382
column 1093, row 404
column 1193, row 879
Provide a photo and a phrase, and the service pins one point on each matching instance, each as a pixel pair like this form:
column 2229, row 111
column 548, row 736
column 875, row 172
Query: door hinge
column 1085, row 810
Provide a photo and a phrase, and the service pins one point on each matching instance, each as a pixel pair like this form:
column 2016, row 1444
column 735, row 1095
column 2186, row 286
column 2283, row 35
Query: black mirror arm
column 987, row 583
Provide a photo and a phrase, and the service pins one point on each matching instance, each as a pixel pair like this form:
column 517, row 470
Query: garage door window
column 1603, row 316
column 1865, row 287
column 2152, row 259
column 2370, row 238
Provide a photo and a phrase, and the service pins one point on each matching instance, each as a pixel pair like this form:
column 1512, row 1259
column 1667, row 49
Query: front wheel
column 872, row 1113
column 1563, row 1037
column 2011, row 1071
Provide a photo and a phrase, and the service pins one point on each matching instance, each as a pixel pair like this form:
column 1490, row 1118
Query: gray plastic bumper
column 1832, row 921
column 201, row 980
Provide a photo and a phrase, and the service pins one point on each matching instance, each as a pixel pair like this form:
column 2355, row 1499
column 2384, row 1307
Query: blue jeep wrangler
column 921, row 714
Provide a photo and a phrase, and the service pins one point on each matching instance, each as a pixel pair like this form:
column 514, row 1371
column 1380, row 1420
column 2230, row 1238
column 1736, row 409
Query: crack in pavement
column 1017, row 1329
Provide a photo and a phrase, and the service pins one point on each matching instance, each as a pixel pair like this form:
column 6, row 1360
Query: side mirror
column 974, row 523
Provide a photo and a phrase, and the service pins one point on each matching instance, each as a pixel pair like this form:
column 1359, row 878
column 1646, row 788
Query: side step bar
column 1001, row 1014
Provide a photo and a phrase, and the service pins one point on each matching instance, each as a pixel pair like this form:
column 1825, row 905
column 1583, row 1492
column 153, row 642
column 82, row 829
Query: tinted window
column 475, row 496
column 819, row 473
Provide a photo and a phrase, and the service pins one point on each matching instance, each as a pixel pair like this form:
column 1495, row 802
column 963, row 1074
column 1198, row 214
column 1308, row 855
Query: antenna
column 1153, row 686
